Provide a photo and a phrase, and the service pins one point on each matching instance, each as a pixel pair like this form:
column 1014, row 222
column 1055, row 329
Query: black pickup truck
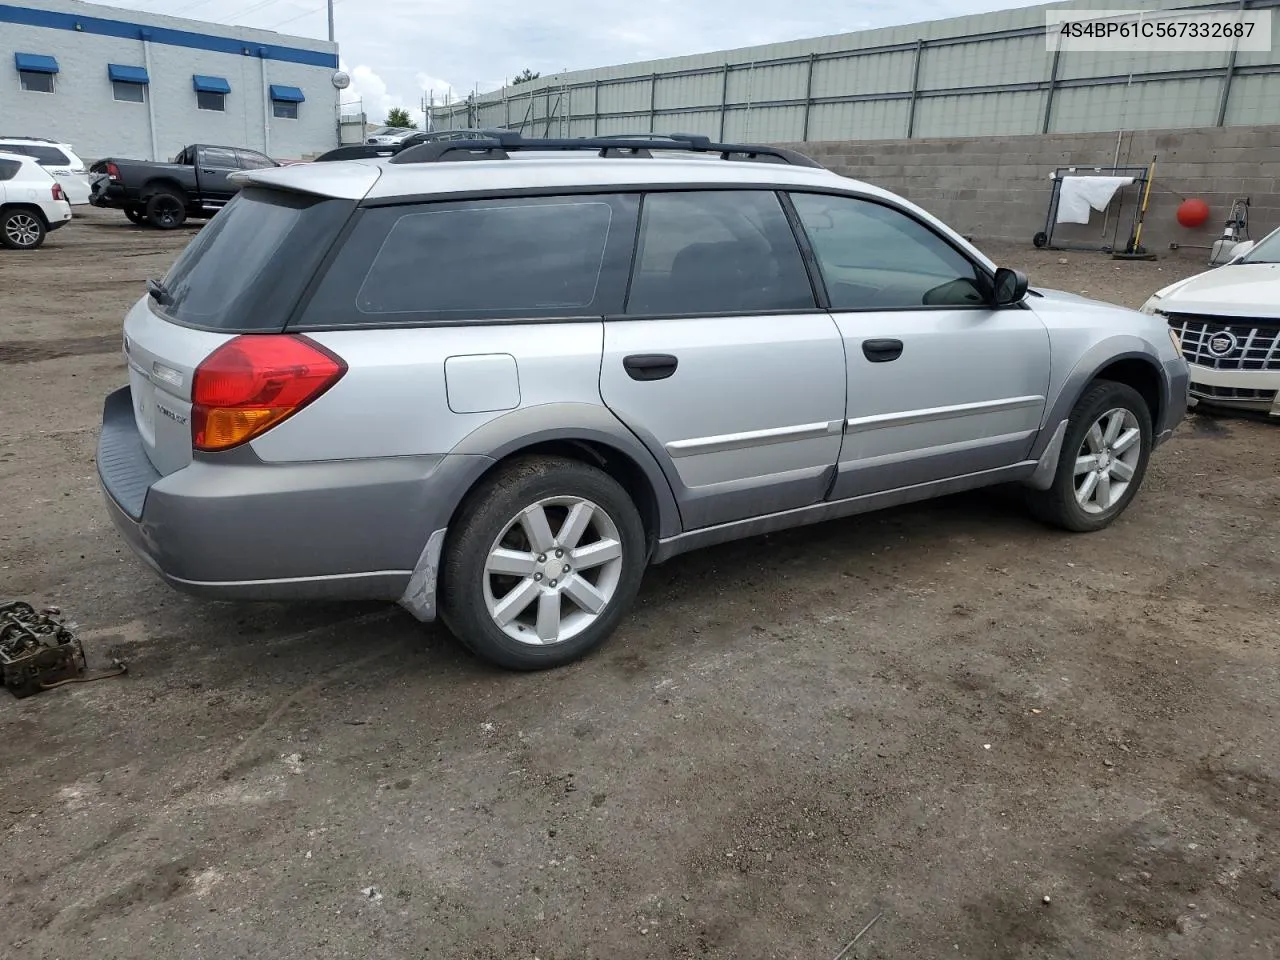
column 195, row 185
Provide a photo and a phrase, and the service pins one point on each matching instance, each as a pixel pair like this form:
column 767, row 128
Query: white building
column 115, row 82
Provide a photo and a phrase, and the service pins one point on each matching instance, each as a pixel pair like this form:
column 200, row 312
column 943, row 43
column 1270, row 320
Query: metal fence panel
column 980, row 75
column 1155, row 105
column 763, row 124
column 983, row 115
column 759, row 84
column 1253, row 100
column 865, row 120
column 872, row 73
column 696, row 90
column 984, row 63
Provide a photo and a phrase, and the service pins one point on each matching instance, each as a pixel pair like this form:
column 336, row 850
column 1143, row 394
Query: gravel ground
column 999, row 740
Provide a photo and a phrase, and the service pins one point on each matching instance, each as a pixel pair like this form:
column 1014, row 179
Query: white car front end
column 389, row 136
column 1228, row 320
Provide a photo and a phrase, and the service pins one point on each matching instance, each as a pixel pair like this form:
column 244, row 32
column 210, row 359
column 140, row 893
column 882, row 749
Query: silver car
column 495, row 391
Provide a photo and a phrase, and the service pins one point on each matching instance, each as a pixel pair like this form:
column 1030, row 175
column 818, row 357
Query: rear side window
column 47, row 156
column 729, row 251
column 246, row 270
column 496, row 259
column 254, row 161
column 9, row 169
column 219, row 158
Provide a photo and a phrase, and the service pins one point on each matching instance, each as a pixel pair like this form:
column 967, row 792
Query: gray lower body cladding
column 258, row 531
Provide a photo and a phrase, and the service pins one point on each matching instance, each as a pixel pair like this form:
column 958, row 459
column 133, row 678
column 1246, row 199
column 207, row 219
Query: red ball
column 1193, row 212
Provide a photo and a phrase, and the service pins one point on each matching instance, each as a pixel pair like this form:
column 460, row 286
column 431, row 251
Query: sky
column 399, row 51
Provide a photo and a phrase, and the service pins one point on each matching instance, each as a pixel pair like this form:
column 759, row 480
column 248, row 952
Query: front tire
column 1103, row 461
column 542, row 563
column 22, row 229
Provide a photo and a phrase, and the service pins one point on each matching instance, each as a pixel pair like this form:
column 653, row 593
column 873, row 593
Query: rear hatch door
column 243, row 274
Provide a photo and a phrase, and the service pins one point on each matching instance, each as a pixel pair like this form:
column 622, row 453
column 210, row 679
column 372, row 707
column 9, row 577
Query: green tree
column 399, row 117
column 525, row 76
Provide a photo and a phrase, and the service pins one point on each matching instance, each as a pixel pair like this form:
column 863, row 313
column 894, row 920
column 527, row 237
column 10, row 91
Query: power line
column 189, row 6
column 256, row 6
column 305, row 13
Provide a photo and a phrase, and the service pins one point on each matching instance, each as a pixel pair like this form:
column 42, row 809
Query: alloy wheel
column 552, row 570
column 23, row 230
column 1107, row 460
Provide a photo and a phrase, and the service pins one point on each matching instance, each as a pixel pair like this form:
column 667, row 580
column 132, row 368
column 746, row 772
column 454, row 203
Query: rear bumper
column 234, row 528
column 107, row 194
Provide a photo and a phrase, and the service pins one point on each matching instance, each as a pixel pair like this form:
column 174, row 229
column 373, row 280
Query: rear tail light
column 113, row 172
column 251, row 383
column 58, row 193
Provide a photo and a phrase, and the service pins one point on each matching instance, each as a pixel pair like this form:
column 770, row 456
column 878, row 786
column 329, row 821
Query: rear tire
column 542, row 563
column 22, row 229
column 1099, row 473
column 166, row 210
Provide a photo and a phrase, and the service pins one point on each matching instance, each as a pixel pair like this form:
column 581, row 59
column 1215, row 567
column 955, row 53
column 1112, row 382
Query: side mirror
column 1010, row 287
column 1242, row 248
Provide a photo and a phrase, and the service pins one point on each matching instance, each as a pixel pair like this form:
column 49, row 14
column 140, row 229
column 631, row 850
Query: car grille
column 1210, row 392
column 1228, row 343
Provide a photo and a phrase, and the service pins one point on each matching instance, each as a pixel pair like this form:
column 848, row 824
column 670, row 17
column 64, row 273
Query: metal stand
column 1044, row 239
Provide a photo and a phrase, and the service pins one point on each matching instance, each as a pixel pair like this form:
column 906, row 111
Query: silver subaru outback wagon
column 496, row 390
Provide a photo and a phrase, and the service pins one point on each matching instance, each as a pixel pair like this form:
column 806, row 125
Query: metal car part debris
column 38, row 651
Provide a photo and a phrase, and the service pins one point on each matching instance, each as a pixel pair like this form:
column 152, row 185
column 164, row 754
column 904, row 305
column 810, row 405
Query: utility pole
column 330, row 6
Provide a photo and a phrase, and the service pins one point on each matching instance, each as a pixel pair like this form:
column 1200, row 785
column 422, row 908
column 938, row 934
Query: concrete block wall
column 998, row 188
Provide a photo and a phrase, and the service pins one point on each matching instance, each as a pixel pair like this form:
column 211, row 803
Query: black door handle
column 650, row 366
column 881, row 351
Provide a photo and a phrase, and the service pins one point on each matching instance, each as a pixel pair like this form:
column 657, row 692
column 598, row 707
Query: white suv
column 31, row 203
column 58, row 158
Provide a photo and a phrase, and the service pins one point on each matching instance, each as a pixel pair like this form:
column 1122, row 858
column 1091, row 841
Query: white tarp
column 1079, row 194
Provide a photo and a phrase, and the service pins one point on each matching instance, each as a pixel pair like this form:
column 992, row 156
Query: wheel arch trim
column 487, row 446
column 1087, row 369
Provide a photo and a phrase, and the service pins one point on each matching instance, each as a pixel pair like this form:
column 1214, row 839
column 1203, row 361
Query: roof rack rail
column 501, row 145
column 359, row 151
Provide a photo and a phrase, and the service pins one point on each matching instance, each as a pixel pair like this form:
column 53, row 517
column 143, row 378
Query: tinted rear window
column 551, row 257
column 247, row 268
column 9, row 169
column 47, row 156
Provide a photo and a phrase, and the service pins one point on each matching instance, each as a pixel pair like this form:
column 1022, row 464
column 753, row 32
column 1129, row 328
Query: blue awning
column 35, row 63
column 286, row 94
column 122, row 74
column 210, row 84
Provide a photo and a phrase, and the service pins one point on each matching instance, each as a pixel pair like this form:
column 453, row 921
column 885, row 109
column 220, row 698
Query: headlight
column 1177, row 343
column 1151, row 307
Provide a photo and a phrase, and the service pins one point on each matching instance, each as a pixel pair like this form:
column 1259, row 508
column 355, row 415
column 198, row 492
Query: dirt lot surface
column 1000, row 741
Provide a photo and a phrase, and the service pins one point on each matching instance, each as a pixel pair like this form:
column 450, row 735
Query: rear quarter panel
column 415, row 391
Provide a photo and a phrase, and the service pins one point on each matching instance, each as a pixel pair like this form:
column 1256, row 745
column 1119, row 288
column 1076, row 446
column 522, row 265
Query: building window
column 128, row 92
column 284, row 101
column 35, row 72
column 34, row 82
column 128, row 84
column 211, row 92
column 210, row 101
